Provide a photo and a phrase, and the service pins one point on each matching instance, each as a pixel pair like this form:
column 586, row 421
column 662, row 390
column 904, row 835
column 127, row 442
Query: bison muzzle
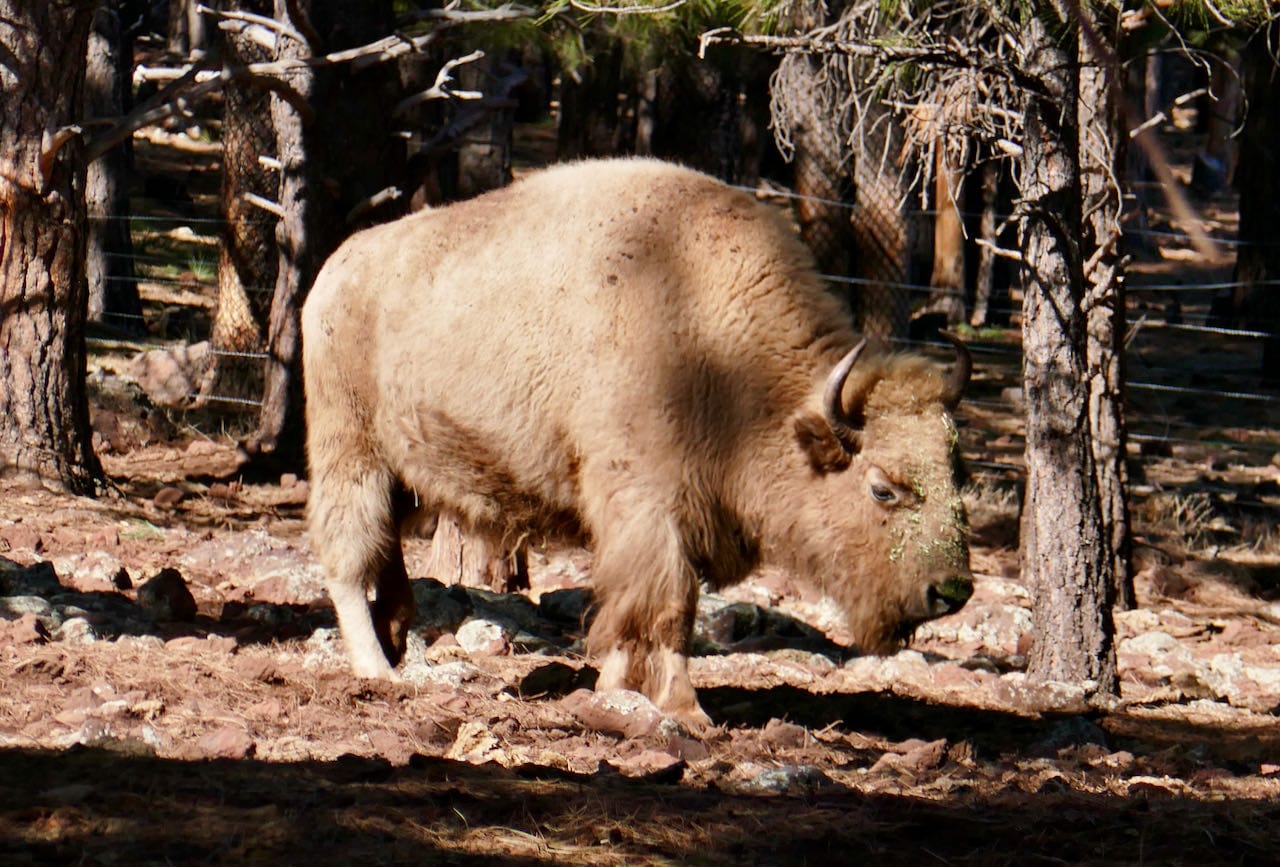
column 635, row 353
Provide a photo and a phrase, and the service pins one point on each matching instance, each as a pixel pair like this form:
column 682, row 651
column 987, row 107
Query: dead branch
column 372, row 203
column 226, row 16
column 599, row 9
column 201, row 79
column 441, row 89
column 265, row 204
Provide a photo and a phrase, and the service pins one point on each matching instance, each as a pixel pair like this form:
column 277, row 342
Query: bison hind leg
column 354, row 529
column 393, row 608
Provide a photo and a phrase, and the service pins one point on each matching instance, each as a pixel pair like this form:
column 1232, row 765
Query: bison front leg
column 354, row 532
column 640, row 637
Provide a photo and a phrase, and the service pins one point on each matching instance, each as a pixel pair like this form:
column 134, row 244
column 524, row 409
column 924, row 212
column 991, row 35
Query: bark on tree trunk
column 44, row 411
column 1258, row 180
column 328, row 166
column 1102, row 161
column 990, row 283
column 473, row 559
column 947, row 277
column 113, row 291
column 1066, row 553
column 187, row 28
column 308, row 210
column 247, row 260
column 588, row 123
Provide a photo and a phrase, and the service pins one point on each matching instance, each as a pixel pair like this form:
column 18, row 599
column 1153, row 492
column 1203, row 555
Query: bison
column 634, row 354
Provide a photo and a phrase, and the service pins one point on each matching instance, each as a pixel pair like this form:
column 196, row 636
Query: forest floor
column 175, row 690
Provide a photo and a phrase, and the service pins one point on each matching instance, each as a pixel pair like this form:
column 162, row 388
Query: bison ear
column 819, row 442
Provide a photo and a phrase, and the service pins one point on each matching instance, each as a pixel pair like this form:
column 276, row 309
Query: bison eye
column 883, row 494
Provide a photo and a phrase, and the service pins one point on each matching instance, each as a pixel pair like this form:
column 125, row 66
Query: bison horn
column 842, row 423
column 960, row 374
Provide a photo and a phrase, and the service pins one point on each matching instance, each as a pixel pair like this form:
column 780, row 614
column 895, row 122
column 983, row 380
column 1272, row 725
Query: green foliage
column 649, row 38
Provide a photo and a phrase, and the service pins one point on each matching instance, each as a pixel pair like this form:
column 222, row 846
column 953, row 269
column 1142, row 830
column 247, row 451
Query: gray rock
column 166, row 598
column 39, row 579
column 441, row 609
column 787, row 780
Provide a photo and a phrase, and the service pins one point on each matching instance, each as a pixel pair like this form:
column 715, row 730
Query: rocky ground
column 175, row 691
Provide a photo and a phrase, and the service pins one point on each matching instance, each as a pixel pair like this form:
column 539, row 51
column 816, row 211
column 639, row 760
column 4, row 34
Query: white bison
column 632, row 353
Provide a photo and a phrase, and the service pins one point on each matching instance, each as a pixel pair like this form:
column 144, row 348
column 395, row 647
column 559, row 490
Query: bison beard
column 635, row 351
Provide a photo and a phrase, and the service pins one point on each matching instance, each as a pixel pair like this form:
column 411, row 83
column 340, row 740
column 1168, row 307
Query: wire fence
column 190, row 275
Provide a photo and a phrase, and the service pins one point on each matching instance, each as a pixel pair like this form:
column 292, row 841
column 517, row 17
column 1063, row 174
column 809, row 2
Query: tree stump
column 473, row 558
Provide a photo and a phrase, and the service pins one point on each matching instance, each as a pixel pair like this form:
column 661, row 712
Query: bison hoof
column 694, row 721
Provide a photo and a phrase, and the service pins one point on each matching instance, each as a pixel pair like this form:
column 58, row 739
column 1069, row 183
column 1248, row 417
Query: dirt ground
column 175, row 692
column 138, row 727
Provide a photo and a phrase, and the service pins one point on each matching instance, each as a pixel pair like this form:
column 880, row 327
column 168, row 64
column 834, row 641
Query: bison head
column 891, row 545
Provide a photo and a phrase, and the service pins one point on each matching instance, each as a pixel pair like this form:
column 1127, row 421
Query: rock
column 40, row 579
column 513, row 611
column 784, row 734
column 913, row 757
column 652, row 766
column 689, row 749
column 170, row 376
column 20, row 537
column 786, row 780
column 566, row 607
column 168, row 497
column 166, row 597
column 1071, row 732
column 553, row 680
column 619, row 712
column 228, row 742
column 441, row 609
column 1151, row 643
column 77, row 631
column 27, row 629
column 482, row 637
column 449, row 674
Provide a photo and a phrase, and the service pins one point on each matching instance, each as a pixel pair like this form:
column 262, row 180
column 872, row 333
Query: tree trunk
column 588, row 124
column 302, row 236
column 113, row 290
column 484, row 153
column 187, row 29
column 947, row 277
column 1066, row 552
column 328, row 167
column 1258, row 181
column 991, row 278
column 44, row 411
column 473, row 559
column 247, row 260
column 1101, row 160
column 816, row 125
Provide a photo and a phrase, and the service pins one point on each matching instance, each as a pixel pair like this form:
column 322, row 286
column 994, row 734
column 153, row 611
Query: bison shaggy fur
column 634, row 353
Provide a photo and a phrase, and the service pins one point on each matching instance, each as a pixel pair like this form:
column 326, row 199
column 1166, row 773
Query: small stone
column 168, row 497
column 77, row 631
column 20, row 537
column 784, row 734
column 652, row 766
column 552, row 680
column 482, row 637
column 167, row 598
column 689, row 749
column 288, row 480
column 788, row 779
column 27, row 629
column 228, row 742
column 619, row 711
